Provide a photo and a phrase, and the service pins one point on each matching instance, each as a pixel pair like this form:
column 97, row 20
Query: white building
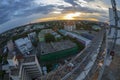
column 69, row 26
column 29, row 69
column 24, row 45
column 83, row 40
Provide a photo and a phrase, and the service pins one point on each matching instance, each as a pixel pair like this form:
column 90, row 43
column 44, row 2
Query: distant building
column 80, row 38
column 10, row 45
column 24, row 45
column 32, row 36
column 69, row 26
column 27, row 28
column 96, row 27
column 37, row 26
column 63, row 32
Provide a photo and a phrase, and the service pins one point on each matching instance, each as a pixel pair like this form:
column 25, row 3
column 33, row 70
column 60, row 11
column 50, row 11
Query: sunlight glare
column 72, row 16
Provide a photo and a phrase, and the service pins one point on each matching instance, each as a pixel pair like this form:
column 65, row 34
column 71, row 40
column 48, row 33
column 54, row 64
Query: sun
column 71, row 16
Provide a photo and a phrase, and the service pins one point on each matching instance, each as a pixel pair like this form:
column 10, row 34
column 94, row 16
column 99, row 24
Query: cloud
column 11, row 9
column 72, row 2
column 51, row 2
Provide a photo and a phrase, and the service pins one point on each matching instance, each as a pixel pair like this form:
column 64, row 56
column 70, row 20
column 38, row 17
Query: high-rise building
column 28, row 69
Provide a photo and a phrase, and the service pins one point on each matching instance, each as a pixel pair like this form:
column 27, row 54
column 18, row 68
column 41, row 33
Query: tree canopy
column 49, row 37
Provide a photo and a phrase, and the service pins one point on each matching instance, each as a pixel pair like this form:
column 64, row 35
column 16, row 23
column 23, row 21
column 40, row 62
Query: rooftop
column 28, row 59
column 78, row 36
column 11, row 55
column 21, row 41
column 15, row 70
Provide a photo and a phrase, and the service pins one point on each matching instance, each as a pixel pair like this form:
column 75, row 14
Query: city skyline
column 20, row 12
column 47, row 9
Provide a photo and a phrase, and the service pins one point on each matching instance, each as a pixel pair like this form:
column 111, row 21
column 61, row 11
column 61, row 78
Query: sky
column 13, row 12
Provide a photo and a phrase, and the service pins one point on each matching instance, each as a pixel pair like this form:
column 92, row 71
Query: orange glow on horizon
column 71, row 16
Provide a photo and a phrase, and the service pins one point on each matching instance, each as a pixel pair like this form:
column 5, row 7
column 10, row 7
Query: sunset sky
column 22, row 11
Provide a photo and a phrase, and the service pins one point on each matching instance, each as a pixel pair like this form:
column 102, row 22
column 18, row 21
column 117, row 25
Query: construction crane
column 116, row 18
column 112, row 48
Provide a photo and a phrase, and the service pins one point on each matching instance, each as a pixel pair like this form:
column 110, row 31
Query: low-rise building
column 81, row 39
column 69, row 26
column 63, row 32
column 32, row 36
column 24, row 45
column 27, row 28
column 37, row 26
column 95, row 27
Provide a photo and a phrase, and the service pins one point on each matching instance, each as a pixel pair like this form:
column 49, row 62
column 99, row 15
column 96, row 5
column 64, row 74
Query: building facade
column 28, row 69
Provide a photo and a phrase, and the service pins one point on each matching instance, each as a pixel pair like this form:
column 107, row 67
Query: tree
column 49, row 37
